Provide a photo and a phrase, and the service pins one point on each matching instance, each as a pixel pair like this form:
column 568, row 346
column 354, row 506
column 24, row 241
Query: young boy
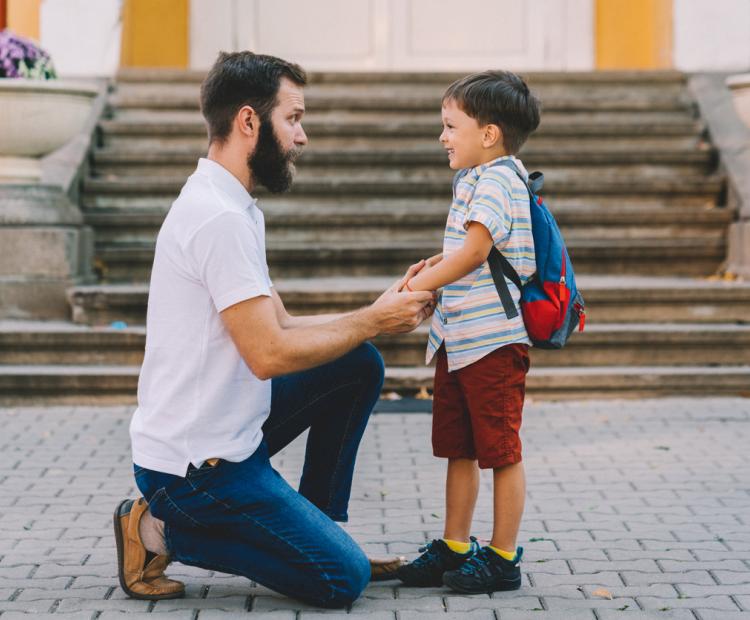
column 482, row 356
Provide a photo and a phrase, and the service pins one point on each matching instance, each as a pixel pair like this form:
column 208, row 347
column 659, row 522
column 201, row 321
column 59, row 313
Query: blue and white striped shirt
column 469, row 317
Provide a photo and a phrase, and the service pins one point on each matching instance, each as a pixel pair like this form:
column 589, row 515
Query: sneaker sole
column 504, row 586
column 120, row 564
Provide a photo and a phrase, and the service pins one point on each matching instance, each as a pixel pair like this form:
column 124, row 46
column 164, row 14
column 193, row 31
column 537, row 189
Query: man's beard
column 269, row 165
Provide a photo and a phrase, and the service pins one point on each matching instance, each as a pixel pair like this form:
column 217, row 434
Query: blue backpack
column 551, row 304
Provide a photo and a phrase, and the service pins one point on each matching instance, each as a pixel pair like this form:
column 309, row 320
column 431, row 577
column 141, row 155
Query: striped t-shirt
column 469, row 317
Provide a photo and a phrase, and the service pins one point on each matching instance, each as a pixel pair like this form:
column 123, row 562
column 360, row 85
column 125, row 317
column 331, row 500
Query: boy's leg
column 451, row 439
column 495, row 388
column 334, row 401
column 244, row 519
column 509, row 496
column 461, row 490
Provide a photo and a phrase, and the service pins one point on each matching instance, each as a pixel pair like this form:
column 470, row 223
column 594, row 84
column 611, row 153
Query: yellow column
column 155, row 33
column 23, row 17
column 633, row 34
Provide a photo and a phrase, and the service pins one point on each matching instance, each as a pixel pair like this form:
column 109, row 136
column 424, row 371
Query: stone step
column 290, row 203
column 331, row 223
column 427, row 181
column 608, row 299
column 32, row 343
column 99, row 385
column 686, row 164
column 636, row 79
column 684, row 256
column 625, row 139
column 122, row 161
column 417, row 97
column 614, row 345
column 429, row 173
column 318, row 126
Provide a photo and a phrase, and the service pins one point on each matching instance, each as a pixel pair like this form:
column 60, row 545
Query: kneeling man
column 230, row 378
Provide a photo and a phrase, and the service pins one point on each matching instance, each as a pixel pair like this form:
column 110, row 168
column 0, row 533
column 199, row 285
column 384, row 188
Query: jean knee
column 369, row 364
column 356, row 576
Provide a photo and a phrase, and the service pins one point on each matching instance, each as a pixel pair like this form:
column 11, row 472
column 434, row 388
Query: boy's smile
column 466, row 142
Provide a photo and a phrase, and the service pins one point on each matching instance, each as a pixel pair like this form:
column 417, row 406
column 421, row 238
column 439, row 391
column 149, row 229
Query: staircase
column 630, row 176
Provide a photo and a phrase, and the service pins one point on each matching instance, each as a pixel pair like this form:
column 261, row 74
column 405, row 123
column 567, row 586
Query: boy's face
column 462, row 137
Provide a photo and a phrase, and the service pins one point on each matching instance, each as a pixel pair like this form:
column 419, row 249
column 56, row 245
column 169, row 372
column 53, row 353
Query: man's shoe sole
column 121, row 560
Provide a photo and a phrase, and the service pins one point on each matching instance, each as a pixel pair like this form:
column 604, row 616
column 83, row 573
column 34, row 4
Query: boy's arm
column 473, row 253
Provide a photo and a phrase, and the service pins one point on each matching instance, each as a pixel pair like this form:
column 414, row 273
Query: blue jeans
column 244, row 518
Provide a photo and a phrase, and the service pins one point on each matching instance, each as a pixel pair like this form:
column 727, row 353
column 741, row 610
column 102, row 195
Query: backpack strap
column 500, row 267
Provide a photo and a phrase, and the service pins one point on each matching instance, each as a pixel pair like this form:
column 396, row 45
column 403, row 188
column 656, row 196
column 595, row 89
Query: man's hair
column 239, row 79
column 498, row 98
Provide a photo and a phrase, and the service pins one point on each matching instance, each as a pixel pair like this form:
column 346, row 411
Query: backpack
column 551, row 304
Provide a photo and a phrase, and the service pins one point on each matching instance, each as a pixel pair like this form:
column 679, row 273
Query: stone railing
column 732, row 139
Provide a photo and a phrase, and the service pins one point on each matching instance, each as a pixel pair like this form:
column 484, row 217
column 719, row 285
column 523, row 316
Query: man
column 230, row 378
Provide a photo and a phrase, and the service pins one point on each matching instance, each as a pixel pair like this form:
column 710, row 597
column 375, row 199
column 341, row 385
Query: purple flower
column 20, row 57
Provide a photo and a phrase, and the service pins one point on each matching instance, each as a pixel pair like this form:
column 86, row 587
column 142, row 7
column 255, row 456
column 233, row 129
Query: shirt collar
column 227, row 182
column 476, row 171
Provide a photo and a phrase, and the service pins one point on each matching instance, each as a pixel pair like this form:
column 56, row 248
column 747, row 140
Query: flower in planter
column 22, row 58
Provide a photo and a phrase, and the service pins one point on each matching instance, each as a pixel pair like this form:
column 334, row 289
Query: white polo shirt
column 197, row 399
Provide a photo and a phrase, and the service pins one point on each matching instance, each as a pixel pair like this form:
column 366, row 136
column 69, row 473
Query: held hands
column 399, row 311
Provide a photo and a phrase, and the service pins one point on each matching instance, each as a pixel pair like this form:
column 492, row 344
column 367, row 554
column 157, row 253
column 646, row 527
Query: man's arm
column 271, row 350
column 287, row 321
column 455, row 266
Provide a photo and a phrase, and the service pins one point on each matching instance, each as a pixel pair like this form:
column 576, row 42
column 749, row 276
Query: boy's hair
column 498, row 98
column 239, row 79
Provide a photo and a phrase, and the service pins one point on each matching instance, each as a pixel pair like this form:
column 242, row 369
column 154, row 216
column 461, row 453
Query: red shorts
column 476, row 410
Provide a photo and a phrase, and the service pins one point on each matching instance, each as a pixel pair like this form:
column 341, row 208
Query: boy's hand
column 410, row 273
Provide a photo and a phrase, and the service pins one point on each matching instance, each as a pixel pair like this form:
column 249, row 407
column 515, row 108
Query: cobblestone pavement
column 645, row 501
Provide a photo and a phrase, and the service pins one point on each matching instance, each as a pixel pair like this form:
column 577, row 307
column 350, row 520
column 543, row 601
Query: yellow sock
column 506, row 555
column 457, row 546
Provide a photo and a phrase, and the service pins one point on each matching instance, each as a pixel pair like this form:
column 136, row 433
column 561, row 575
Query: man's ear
column 492, row 136
column 247, row 121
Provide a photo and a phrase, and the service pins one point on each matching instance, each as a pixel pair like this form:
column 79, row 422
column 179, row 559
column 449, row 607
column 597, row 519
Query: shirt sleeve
column 229, row 260
column 490, row 206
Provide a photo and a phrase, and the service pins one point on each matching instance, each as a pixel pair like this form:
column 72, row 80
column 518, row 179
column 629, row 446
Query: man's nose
column 301, row 137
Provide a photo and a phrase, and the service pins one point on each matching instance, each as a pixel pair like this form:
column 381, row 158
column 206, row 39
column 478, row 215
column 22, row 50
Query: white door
column 399, row 35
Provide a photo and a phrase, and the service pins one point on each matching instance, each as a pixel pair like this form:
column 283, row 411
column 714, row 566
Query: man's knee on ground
column 344, row 591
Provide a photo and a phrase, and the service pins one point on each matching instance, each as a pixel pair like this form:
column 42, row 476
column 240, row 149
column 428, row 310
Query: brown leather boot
column 141, row 573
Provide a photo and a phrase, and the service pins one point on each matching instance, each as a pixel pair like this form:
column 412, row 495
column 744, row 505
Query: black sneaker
column 427, row 570
column 486, row 572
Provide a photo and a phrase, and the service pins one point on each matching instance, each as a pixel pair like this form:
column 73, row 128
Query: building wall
column 385, row 35
column 95, row 37
column 90, row 48
column 712, row 36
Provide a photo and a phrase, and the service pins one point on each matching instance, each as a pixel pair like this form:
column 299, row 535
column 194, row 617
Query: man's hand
column 434, row 260
column 397, row 312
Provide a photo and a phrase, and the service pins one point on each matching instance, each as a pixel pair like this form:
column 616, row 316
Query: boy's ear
column 493, row 136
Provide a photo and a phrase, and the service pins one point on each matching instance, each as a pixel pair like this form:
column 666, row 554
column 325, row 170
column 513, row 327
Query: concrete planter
column 36, row 118
column 739, row 85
